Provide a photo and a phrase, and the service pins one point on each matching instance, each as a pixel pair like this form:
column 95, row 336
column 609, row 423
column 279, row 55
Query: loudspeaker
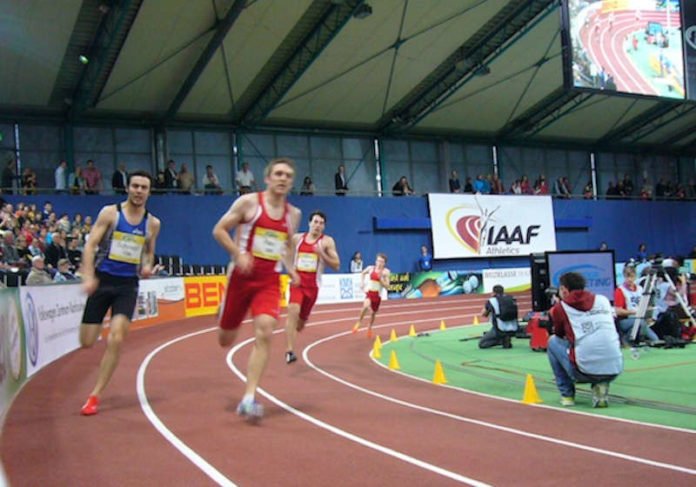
column 540, row 281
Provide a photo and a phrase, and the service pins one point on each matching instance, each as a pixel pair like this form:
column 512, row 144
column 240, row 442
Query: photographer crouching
column 585, row 346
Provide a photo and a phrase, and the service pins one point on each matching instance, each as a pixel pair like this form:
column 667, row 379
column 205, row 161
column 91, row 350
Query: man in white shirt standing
column 245, row 180
column 61, row 177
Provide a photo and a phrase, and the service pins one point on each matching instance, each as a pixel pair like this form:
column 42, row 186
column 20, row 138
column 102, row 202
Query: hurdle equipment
column 531, row 395
column 394, row 361
column 439, row 374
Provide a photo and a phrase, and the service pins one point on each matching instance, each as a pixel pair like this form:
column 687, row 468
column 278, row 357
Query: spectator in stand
column 8, row 250
column 160, row 185
column 38, row 274
column 468, row 187
column 588, row 191
column 496, row 185
column 63, row 273
column 23, row 250
column 525, row 185
column 480, row 184
column 245, row 180
column 185, row 179
column 561, row 188
column 516, row 187
column 8, row 177
column 425, row 261
column 341, row 181
column 621, row 193
column 171, row 177
column 211, row 183
column 642, row 255
column 402, row 188
column 661, row 189
column 454, row 184
column 28, row 181
column 93, row 178
column 356, row 263
column 680, row 192
column 646, row 191
column 541, row 187
column 77, row 181
column 56, row 250
column 119, row 180
column 628, row 186
column 61, row 177
column 612, row 191
column 307, row 188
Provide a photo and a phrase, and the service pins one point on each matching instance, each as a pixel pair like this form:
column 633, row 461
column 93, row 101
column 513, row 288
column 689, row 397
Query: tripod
column 646, row 304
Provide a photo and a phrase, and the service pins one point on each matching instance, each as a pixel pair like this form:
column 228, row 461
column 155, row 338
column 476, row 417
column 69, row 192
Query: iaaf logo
column 475, row 228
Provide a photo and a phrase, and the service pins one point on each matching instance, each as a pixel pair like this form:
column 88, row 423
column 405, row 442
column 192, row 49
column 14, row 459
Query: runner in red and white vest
column 313, row 250
column 264, row 225
column 378, row 279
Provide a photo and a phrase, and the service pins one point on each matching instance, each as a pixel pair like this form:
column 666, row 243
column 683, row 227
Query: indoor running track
column 333, row 418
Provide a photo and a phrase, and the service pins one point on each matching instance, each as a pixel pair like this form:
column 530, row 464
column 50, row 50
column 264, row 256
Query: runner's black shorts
column 115, row 292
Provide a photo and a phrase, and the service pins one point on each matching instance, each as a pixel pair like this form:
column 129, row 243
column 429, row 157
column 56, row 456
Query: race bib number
column 307, row 262
column 126, row 247
column 374, row 285
column 269, row 244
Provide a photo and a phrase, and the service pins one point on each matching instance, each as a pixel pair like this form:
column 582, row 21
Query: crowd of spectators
column 40, row 242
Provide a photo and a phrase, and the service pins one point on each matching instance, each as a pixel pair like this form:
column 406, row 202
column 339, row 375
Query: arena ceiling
column 484, row 70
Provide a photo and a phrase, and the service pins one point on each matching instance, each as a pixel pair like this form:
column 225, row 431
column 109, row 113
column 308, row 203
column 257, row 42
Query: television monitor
column 625, row 46
column 596, row 266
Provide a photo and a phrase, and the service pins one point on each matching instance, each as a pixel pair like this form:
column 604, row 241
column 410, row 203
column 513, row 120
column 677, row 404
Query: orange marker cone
column 443, row 327
column 412, row 331
column 439, row 375
column 393, row 361
column 392, row 336
column 377, row 349
column 531, row 396
column 476, row 320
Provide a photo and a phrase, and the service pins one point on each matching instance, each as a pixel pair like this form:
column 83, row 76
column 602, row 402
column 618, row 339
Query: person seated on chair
column 626, row 301
column 502, row 308
column 585, row 345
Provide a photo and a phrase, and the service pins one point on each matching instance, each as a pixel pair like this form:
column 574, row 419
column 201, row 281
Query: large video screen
column 629, row 46
column 597, row 268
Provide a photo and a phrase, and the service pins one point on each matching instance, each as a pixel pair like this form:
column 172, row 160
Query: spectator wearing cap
column 63, row 274
column 38, row 275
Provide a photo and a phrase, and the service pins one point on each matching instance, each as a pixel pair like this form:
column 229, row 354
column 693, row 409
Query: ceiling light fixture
column 83, row 59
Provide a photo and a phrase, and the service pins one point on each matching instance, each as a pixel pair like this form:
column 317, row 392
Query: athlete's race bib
column 307, row 262
column 269, row 244
column 126, row 247
column 374, row 285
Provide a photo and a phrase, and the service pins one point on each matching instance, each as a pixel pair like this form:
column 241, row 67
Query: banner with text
column 13, row 368
column 341, row 288
column 433, row 284
column 490, row 226
column 52, row 316
column 159, row 301
column 513, row 279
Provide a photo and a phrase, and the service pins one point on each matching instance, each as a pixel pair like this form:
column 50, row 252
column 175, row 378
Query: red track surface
column 606, row 47
column 373, row 427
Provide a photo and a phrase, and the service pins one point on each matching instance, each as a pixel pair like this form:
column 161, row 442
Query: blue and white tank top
column 121, row 250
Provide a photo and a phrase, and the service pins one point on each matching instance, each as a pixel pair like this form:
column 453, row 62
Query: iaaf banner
column 52, row 316
column 688, row 9
column 490, row 226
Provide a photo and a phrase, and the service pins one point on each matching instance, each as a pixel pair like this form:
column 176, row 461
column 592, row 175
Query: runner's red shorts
column 305, row 297
column 261, row 295
column 375, row 300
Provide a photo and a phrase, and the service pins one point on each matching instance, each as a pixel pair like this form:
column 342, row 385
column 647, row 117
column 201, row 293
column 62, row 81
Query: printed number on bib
column 269, row 244
column 126, row 247
column 307, row 262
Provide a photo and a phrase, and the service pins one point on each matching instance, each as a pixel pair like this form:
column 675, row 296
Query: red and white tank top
column 375, row 283
column 265, row 238
column 632, row 297
column 308, row 264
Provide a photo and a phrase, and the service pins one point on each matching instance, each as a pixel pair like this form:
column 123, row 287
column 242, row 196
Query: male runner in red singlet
column 379, row 279
column 265, row 224
column 312, row 250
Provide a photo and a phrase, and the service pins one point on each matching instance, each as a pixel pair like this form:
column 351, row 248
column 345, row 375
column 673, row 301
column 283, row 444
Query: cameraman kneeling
column 502, row 308
column 585, row 346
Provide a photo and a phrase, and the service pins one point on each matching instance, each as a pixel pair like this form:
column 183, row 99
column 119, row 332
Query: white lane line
column 185, row 450
column 486, row 424
column 349, row 436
